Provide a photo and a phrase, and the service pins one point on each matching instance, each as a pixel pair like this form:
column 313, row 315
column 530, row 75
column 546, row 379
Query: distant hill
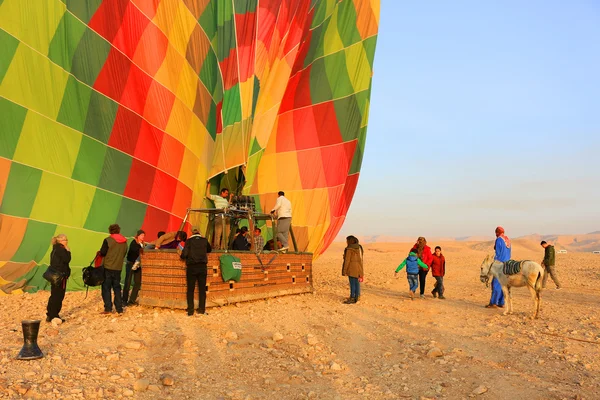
column 577, row 243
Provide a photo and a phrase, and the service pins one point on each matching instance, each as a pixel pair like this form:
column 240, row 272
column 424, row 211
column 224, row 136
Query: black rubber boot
column 30, row 350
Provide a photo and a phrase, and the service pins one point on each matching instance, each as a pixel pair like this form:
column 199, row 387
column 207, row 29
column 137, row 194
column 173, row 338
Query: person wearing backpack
column 412, row 264
column 114, row 249
column 59, row 260
column 353, row 268
column 195, row 256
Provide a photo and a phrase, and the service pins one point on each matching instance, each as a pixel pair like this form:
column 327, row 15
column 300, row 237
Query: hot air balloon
column 120, row 111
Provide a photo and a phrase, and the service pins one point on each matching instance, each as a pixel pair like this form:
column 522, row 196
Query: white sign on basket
column 236, row 265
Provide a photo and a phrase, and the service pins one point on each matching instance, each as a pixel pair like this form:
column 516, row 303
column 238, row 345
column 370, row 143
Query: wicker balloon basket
column 263, row 276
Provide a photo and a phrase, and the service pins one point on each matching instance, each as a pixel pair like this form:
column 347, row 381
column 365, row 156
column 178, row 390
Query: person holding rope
column 502, row 254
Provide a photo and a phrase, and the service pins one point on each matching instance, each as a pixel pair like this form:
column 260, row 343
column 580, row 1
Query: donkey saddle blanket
column 512, row 267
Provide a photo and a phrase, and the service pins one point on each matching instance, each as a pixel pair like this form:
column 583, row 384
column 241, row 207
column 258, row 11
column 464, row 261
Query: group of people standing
column 113, row 252
column 418, row 263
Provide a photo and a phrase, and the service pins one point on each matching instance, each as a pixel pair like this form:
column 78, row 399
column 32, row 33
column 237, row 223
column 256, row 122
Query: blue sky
column 483, row 113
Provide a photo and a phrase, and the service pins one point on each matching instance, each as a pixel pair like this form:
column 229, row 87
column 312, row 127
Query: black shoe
column 348, row 300
column 132, row 304
column 434, row 294
column 442, row 297
column 202, row 313
column 48, row 319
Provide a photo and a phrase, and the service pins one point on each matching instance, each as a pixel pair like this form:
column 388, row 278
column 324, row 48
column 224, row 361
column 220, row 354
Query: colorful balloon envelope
column 120, row 111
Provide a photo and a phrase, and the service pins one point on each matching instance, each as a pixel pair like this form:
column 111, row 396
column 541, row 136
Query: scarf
column 500, row 233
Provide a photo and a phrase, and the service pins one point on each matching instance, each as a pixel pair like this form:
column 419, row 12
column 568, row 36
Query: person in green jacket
column 412, row 264
column 548, row 264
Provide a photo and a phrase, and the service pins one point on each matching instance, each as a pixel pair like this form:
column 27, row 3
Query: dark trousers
column 439, row 285
column 422, row 278
column 137, row 283
column 196, row 274
column 112, row 282
column 57, row 294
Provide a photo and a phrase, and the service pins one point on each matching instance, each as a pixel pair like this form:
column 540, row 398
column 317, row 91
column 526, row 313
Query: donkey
column 531, row 275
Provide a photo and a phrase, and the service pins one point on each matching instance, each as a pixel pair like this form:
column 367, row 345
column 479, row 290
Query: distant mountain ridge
column 587, row 242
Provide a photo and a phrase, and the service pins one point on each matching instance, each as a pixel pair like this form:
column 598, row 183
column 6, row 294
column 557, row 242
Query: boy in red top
column 438, row 270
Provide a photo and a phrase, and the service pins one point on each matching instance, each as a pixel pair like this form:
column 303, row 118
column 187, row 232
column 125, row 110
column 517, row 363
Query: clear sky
column 483, row 113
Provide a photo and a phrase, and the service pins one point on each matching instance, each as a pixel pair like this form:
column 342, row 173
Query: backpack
column 231, row 268
column 93, row 276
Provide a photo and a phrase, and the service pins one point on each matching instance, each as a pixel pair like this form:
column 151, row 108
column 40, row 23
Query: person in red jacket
column 438, row 270
column 424, row 253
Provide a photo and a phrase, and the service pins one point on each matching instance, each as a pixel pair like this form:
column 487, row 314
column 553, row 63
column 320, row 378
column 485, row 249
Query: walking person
column 424, row 253
column 59, row 260
column 549, row 264
column 283, row 210
column 135, row 250
column 502, row 254
column 412, row 264
column 438, row 270
column 114, row 249
column 352, row 267
column 195, row 256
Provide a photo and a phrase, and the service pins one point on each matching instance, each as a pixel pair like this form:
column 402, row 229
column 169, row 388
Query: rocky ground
column 313, row 346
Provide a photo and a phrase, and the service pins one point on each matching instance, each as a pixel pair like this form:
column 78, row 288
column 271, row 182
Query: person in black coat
column 241, row 241
column 59, row 260
column 195, row 255
column 135, row 249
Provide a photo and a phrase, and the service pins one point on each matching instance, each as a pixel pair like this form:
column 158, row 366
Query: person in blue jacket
column 412, row 263
column 502, row 249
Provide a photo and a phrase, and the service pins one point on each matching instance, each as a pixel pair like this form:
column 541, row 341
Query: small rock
column 77, row 390
column 167, row 380
column 277, row 337
column 56, row 322
column 22, row 389
column 435, row 352
column 51, row 332
column 480, row 390
column 335, row 366
column 311, row 340
column 154, row 388
column 112, row 357
column 128, row 392
column 141, row 385
column 231, row 335
column 134, row 345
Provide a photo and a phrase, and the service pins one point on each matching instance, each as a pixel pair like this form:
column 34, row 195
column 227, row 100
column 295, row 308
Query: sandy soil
column 313, row 346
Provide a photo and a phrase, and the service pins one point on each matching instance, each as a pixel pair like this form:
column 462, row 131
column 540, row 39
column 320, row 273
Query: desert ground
column 313, row 346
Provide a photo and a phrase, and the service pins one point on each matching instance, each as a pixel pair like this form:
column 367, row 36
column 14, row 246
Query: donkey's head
column 485, row 273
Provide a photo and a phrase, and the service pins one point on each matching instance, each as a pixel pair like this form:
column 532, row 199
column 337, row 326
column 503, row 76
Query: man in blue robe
column 502, row 248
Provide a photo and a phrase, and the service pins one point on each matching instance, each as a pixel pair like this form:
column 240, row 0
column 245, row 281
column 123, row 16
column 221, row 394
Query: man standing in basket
column 195, row 255
column 283, row 208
